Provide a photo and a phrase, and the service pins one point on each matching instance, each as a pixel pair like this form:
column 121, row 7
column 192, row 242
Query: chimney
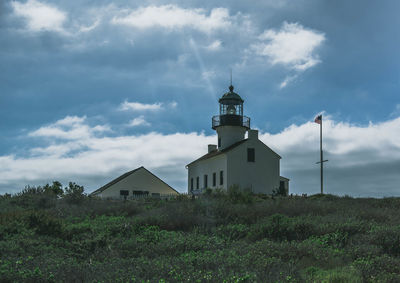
column 212, row 147
column 253, row 135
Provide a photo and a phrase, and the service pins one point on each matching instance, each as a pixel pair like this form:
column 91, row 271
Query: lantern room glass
column 231, row 109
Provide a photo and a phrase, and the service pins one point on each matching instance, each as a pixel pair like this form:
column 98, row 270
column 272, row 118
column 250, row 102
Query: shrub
column 74, row 193
column 238, row 195
column 45, row 224
column 388, row 238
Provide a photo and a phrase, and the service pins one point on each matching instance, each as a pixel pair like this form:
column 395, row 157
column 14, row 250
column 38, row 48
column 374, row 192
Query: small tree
column 74, row 193
column 55, row 189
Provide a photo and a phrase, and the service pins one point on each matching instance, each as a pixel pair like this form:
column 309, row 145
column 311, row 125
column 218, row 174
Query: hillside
column 49, row 236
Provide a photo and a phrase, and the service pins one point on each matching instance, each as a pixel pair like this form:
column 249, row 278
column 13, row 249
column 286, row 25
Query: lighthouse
column 230, row 124
column 236, row 160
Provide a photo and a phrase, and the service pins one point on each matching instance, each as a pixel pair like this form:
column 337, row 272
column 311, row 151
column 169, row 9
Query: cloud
column 90, row 27
column 215, row 45
column 293, row 46
column 174, row 17
column 363, row 160
column 40, row 16
column 139, row 121
column 287, row 80
column 396, row 111
column 69, row 128
column 137, row 106
column 173, row 104
column 94, row 160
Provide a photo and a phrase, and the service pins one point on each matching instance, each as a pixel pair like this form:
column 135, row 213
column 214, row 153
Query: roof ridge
column 218, row 152
column 116, row 180
column 125, row 175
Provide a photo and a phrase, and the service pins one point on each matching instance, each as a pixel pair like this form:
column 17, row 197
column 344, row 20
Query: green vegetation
column 50, row 234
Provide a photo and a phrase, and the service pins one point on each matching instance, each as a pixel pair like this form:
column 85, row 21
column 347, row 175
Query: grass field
column 50, row 236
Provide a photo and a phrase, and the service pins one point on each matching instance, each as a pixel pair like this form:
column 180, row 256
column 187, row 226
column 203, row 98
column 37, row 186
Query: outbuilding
column 138, row 183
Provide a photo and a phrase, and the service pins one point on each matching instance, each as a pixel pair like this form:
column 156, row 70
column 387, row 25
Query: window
column 251, row 155
column 155, row 195
column 221, row 177
column 124, row 192
column 197, row 183
column 214, row 179
column 191, row 184
column 140, row 194
column 205, row 181
column 219, row 142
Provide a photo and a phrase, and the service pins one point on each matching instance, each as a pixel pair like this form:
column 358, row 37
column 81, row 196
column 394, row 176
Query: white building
column 236, row 160
column 137, row 183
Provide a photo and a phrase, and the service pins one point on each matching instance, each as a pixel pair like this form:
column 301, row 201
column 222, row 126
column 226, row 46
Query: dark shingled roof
column 123, row 176
column 218, row 152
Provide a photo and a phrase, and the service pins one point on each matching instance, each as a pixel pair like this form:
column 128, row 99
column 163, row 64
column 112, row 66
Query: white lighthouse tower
column 230, row 124
column 236, row 161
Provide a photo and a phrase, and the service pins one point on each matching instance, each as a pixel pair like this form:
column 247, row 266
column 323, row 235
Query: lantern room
column 231, row 111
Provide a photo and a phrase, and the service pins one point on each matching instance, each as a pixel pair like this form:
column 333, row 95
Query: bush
column 74, row 193
column 238, row 195
column 221, row 237
column 45, row 224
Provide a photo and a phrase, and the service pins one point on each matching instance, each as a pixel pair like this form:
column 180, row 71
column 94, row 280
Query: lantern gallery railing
column 230, row 120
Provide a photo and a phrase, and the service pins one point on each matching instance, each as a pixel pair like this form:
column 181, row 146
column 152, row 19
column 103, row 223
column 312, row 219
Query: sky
column 92, row 90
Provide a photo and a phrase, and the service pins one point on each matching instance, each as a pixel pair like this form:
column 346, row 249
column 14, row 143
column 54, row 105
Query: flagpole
column 321, row 153
column 321, row 157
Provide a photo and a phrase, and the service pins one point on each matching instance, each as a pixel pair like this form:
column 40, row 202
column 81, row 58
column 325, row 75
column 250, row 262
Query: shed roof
column 123, row 176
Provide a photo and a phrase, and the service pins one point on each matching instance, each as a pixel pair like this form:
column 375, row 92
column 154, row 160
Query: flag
column 318, row 119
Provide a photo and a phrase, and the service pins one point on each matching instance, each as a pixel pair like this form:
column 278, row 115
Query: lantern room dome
column 231, row 97
column 230, row 111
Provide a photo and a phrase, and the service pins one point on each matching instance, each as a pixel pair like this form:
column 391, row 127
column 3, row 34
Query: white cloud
column 90, row 27
column 396, row 111
column 69, row 128
column 173, row 104
column 215, row 45
column 140, row 107
column 137, row 106
column 174, row 17
column 71, row 121
column 293, row 46
column 40, row 16
column 206, row 75
column 139, row 121
column 287, row 80
column 363, row 160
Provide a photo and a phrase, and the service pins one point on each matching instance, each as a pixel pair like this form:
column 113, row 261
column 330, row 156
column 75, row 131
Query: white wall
column 208, row 166
column 261, row 176
column 140, row 180
column 230, row 135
